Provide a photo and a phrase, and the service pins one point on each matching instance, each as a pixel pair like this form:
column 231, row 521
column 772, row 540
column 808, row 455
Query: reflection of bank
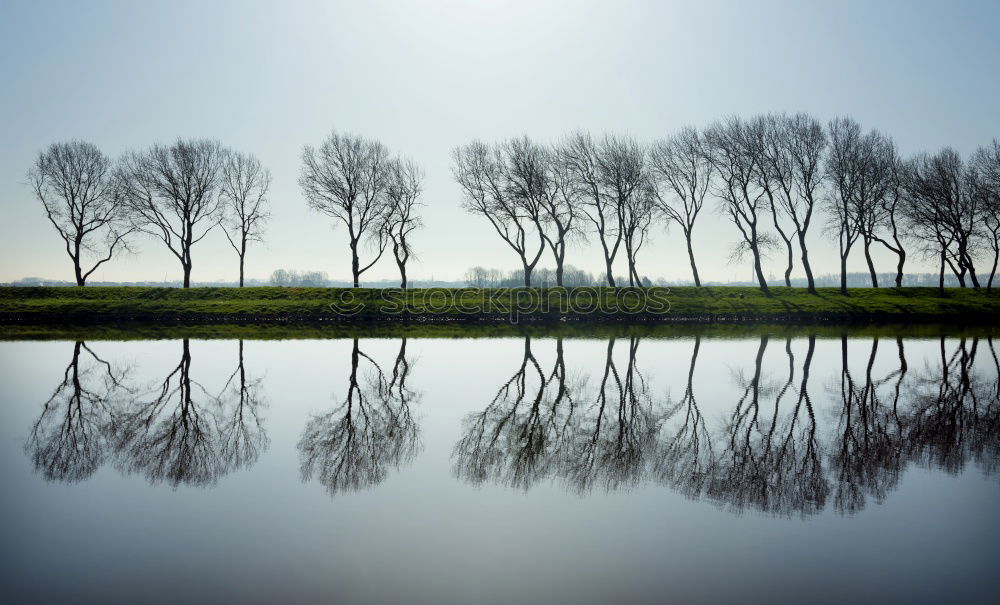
column 175, row 432
column 370, row 432
column 772, row 452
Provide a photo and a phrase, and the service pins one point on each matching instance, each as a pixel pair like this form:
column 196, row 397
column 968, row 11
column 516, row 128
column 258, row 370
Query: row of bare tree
column 174, row 193
column 177, row 194
column 771, row 174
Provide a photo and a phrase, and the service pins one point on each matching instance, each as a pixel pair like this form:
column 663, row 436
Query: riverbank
column 21, row 331
column 468, row 305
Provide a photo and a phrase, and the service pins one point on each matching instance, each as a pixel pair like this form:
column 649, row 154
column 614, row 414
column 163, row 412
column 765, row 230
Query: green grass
column 596, row 305
column 21, row 331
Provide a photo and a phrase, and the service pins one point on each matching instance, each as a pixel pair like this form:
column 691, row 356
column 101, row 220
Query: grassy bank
column 21, row 331
column 590, row 305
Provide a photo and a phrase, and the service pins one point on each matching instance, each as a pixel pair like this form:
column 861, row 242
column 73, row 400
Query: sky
column 424, row 77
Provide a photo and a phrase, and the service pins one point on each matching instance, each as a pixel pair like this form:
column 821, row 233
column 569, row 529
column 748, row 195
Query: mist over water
column 517, row 469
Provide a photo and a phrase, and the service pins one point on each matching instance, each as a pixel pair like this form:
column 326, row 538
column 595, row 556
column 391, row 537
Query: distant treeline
column 774, row 176
column 480, row 277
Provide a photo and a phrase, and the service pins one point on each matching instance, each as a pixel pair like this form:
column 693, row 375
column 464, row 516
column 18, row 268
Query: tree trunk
column 354, row 265
column 810, row 282
column 631, row 266
column 787, row 240
column 972, row 272
column 843, row 274
column 993, row 271
column 694, row 268
column 80, row 279
column 186, row 255
column 559, row 255
column 611, row 275
column 759, row 271
column 527, row 273
column 402, row 274
column 243, row 254
column 941, row 275
column 899, row 267
column 871, row 265
column 791, row 263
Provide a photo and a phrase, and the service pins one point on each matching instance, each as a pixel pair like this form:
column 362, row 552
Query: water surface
column 767, row 466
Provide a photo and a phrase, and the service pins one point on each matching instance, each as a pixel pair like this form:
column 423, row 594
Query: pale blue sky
column 270, row 77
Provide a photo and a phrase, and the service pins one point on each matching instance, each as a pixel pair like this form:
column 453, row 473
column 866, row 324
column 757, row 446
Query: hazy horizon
column 269, row 79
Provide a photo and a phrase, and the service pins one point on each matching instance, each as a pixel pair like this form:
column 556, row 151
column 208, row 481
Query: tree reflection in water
column 67, row 442
column 542, row 425
column 772, row 452
column 354, row 445
column 178, row 433
column 511, row 441
column 242, row 438
column 955, row 413
column 612, row 436
column 175, row 432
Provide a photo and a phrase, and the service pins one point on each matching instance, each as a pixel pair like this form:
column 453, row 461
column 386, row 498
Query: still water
column 766, row 467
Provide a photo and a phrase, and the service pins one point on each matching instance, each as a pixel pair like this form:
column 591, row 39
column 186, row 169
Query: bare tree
column 625, row 177
column 244, row 188
column 510, row 201
column 529, row 181
column 924, row 223
column 681, row 175
column 793, row 149
column 875, row 205
column 171, row 194
column 638, row 214
column 761, row 134
column 560, row 208
column 405, row 184
column 345, row 179
column 857, row 186
column 584, row 159
column 984, row 177
column 939, row 192
column 79, row 189
column 731, row 152
column 890, row 210
column 842, row 167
